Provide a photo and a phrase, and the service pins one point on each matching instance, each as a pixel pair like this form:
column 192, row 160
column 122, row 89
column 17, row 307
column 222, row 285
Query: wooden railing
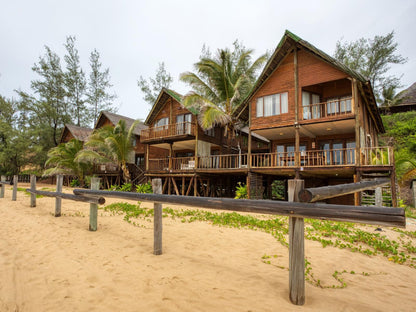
column 328, row 109
column 375, row 156
column 272, row 160
column 229, row 161
column 159, row 164
column 168, row 131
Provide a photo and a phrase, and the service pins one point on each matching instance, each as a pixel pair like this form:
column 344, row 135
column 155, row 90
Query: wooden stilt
column 33, row 187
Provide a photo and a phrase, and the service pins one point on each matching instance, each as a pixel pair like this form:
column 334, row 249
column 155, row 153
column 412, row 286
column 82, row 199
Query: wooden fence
column 296, row 211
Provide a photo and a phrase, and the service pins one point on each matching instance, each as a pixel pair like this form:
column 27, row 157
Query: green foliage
column 278, row 189
column 152, row 87
column 110, row 144
column 74, row 183
column 372, row 58
column 241, row 191
column 62, row 160
column 98, row 85
column 220, row 84
column 144, row 188
column 126, row 187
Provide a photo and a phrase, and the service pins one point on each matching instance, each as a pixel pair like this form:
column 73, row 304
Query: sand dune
column 56, row 264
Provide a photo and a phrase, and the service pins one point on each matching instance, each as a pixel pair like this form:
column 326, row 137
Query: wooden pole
column 158, row 224
column 296, row 249
column 3, row 179
column 14, row 195
column 311, row 195
column 58, row 201
column 95, row 185
column 32, row 187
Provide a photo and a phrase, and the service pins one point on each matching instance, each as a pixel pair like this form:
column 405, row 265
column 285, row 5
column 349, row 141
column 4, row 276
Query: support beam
column 315, row 194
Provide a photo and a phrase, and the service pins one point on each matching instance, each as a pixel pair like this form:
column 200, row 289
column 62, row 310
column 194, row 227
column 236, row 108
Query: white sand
column 56, row 264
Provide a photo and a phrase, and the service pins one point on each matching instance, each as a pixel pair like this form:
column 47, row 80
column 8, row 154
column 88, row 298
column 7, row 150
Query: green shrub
column 74, row 183
column 241, row 191
column 144, row 188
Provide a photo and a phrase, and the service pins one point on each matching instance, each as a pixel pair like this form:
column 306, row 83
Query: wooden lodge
column 308, row 116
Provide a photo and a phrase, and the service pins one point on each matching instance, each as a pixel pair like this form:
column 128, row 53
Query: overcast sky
column 134, row 36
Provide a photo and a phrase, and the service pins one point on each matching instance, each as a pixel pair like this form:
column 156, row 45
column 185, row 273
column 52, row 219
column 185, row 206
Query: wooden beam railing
column 376, row 156
column 315, row 194
column 227, row 161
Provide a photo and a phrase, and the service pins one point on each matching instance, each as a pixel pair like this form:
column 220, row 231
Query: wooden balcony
column 345, row 157
column 335, row 108
column 167, row 133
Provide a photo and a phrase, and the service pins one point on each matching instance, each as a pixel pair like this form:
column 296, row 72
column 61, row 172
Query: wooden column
column 393, row 177
column 32, row 187
column 95, row 185
column 357, row 195
column 147, row 156
column 158, row 224
column 296, row 249
column 249, row 138
column 14, row 195
column 58, row 201
column 248, row 183
column 297, row 127
column 357, row 123
column 3, row 179
column 170, row 156
column 196, row 145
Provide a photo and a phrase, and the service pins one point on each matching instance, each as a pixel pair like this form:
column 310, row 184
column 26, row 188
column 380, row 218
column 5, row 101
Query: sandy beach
column 56, row 264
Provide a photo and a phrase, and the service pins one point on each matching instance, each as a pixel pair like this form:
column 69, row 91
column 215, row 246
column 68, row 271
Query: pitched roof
column 288, row 42
column 115, row 118
column 407, row 96
column 79, row 133
column 163, row 96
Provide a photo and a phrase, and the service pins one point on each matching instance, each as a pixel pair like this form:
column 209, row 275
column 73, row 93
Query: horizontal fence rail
column 366, row 215
column 99, row 200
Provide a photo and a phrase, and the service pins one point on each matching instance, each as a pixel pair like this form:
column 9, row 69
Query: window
column 210, row 132
column 162, row 122
column 338, row 105
column 310, row 111
column 272, row 105
column 351, row 152
column 183, row 124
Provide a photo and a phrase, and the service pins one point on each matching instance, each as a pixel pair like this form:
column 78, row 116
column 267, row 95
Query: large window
column 310, row 111
column 272, row 105
column 183, row 124
column 162, row 122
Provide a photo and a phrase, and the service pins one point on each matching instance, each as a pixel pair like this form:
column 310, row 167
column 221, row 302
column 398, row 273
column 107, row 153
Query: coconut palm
column 220, row 84
column 110, row 144
column 62, row 158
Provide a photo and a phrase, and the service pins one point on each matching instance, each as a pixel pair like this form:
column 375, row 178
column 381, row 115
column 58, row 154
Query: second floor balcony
column 170, row 132
column 332, row 108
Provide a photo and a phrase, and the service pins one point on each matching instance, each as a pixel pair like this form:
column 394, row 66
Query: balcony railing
column 328, row 109
column 168, row 131
column 375, row 156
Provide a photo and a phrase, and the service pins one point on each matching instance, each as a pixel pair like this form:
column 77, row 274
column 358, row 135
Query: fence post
column 3, row 179
column 14, row 195
column 95, row 185
column 157, row 243
column 58, row 201
column 296, row 248
column 379, row 197
column 32, row 187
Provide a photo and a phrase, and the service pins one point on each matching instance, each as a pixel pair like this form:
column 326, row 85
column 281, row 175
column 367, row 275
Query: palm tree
column 62, row 158
column 221, row 84
column 111, row 144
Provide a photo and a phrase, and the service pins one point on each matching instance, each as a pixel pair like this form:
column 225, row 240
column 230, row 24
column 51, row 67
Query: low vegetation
column 365, row 240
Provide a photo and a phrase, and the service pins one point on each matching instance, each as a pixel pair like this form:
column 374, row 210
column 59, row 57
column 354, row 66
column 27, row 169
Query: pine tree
column 99, row 82
column 152, row 87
